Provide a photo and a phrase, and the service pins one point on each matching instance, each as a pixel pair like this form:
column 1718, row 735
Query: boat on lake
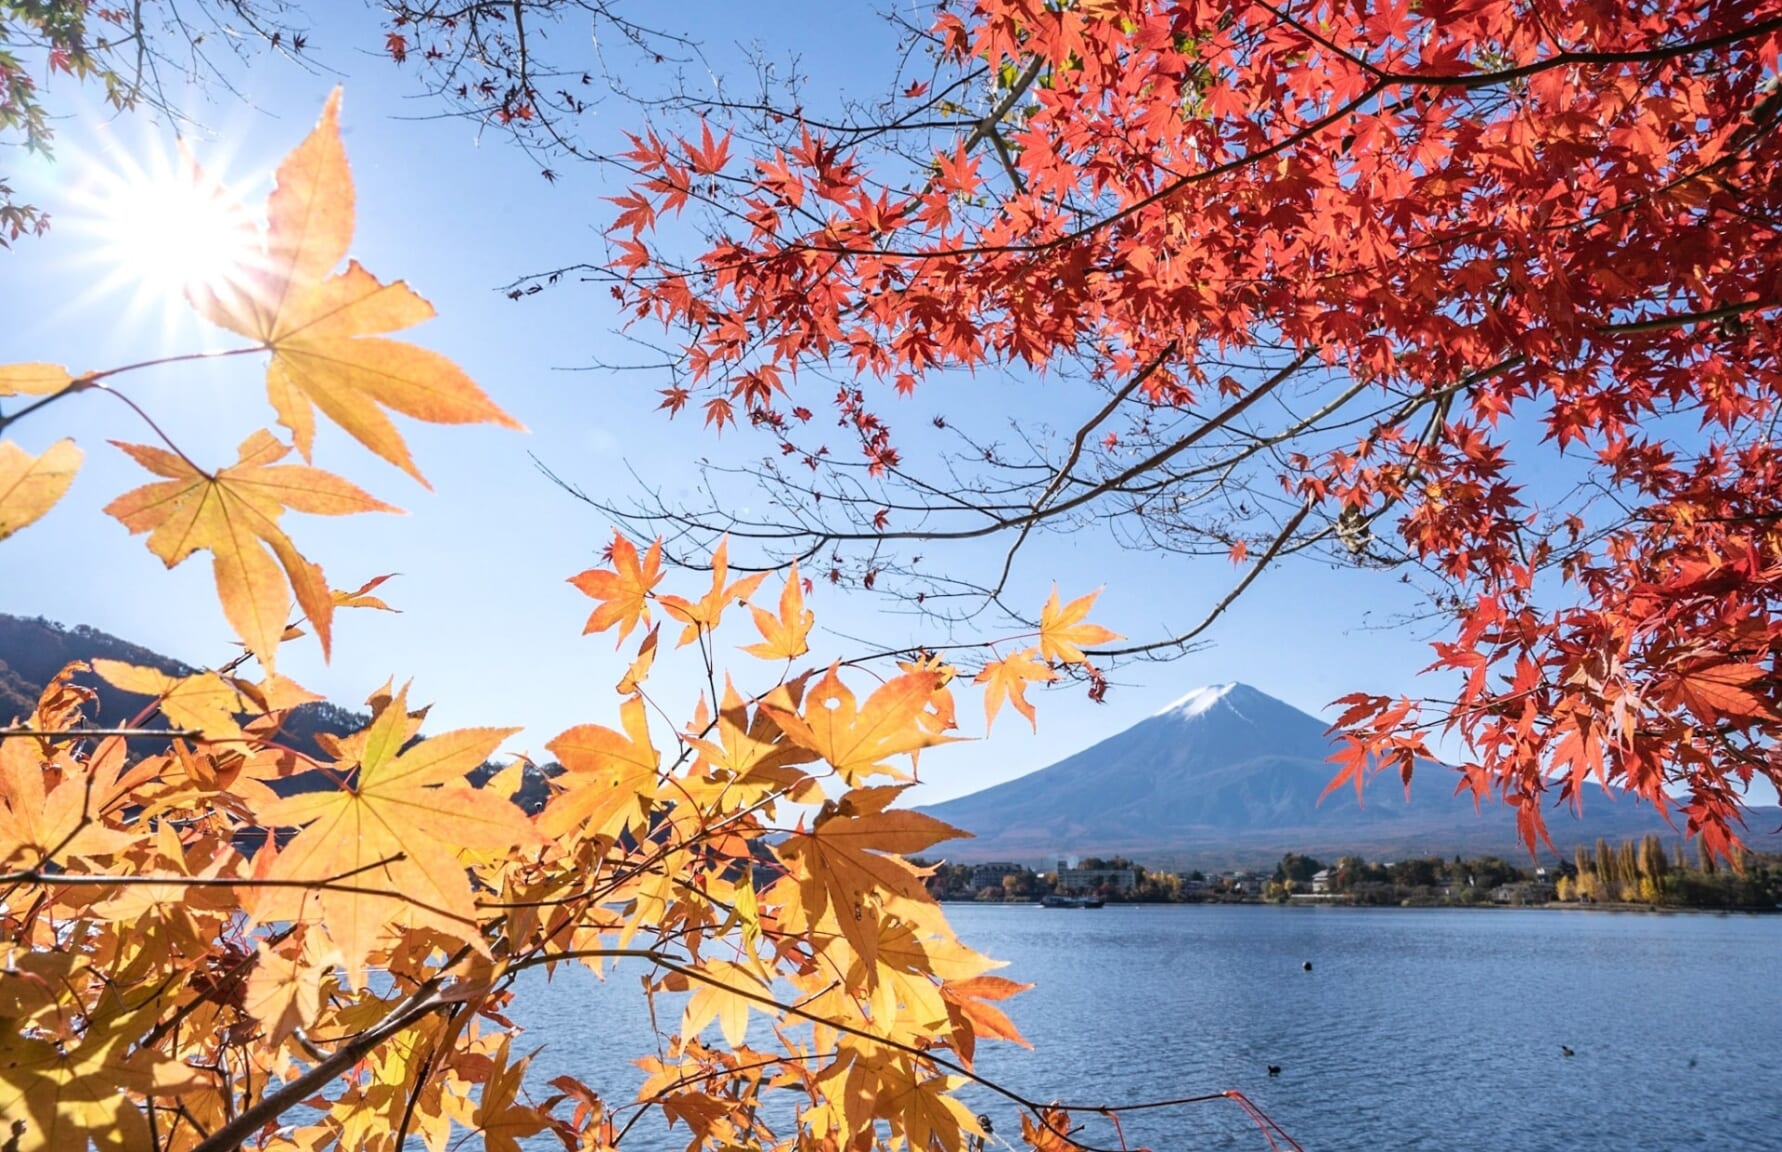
column 1054, row 900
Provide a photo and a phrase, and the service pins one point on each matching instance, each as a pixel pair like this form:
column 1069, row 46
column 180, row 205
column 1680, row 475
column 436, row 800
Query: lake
column 1415, row 1029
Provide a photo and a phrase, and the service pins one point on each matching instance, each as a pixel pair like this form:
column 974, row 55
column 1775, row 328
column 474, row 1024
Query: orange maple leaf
column 611, row 775
column 399, row 830
column 856, row 740
column 747, row 744
column 322, row 329
column 842, row 868
column 784, row 637
column 1007, row 679
column 234, row 515
column 973, row 1018
column 31, row 485
column 624, row 590
column 1063, row 635
column 704, row 615
column 639, row 669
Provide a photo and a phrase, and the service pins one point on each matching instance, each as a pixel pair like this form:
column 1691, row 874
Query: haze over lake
column 1416, row 1029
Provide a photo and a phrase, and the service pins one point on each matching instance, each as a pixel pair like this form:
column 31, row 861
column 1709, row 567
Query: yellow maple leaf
column 503, row 1121
column 31, row 485
column 1063, row 634
column 234, row 516
column 623, row 590
column 65, row 1097
column 784, row 637
column 639, row 669
column 284, row 991
column 1007, row 679
column 924, row 1110
column 323, row 329
column 45, row 809
column 716, row 997
column 703, row 615
column 33, row 379
column 398, row 831
column 843, row 867
column 204, row 702
column 857, row 740
column 746, row 744
column 611, row 775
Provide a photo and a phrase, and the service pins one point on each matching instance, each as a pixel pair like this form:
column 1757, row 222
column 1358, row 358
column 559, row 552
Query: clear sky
column 489, row 630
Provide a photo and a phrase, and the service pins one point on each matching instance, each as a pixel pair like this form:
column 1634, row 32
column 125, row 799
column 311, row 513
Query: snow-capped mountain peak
column 1198, row 701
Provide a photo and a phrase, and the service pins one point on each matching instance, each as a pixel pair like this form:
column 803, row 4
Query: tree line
column 1638, row 871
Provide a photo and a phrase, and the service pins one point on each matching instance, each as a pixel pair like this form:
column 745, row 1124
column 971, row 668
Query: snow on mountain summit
column 1197, row 701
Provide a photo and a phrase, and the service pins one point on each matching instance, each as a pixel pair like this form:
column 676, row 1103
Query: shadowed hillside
column 34, row 650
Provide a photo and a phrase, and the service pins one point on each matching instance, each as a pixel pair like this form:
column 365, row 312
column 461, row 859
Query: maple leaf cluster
column 223, row 942
column 188, row 926
column 1518, row 262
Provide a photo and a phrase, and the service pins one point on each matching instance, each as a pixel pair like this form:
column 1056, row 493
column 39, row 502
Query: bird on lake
column 1307, row 965
column 1564, row 1051
column 1274, row 1069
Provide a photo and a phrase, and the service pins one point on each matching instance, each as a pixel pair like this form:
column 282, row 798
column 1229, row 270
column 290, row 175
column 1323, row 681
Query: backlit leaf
column 234, row 515
column 1064, row 635
column 783, row 636
column 324, row 329
column 33, row 379
column 400, row 828
column 858, row 740
column 1007, row 679
column 623, row 590
column 31, row 485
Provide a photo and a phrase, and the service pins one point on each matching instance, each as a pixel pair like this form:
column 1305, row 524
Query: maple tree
column 223, row 942
column 1482, row 295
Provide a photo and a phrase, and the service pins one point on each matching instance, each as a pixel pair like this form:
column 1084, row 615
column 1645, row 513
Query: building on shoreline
column 1096, row 879
column 991, row 875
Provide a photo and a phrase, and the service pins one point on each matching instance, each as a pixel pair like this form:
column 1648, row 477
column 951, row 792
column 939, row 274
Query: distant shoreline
column 1551, row 906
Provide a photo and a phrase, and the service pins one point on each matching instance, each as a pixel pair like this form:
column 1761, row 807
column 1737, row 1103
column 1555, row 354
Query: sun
column 166, row 230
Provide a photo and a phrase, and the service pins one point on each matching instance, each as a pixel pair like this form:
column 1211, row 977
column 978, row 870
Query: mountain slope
column 33, row 650
column 1230, row 774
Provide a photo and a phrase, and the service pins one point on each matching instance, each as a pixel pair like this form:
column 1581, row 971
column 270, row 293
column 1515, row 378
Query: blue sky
column 489, row 630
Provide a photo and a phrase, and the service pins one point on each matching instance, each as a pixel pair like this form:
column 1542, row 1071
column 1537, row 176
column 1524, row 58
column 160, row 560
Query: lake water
column 1424, row 1029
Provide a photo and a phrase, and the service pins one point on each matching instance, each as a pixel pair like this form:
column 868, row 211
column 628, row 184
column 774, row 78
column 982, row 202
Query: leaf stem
column 92, row 379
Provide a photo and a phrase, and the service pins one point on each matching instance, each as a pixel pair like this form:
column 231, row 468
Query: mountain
column 1231, row 775
column 33, row 650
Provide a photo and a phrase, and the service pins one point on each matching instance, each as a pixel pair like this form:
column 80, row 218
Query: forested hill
column 33, row 650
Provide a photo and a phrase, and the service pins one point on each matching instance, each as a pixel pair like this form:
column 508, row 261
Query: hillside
column 1229, row 774
column 33, row 650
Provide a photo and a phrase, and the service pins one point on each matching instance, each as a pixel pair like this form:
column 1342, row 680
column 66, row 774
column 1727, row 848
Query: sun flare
column 166, row 230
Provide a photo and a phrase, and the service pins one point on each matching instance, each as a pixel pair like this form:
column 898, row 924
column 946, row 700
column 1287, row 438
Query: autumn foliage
column 1485, row 293
column 221, row 942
